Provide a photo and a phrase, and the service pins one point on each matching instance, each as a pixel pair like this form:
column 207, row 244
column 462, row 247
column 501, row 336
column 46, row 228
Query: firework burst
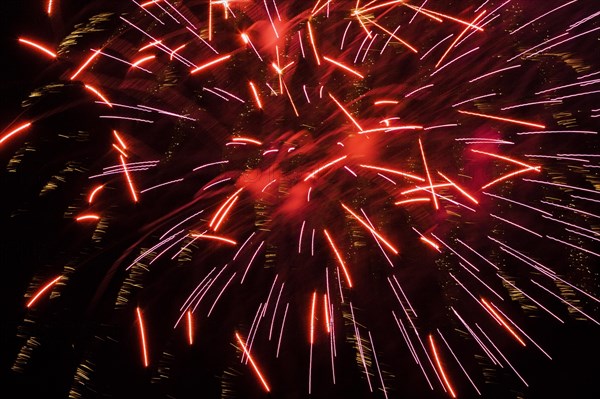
column 322, row 198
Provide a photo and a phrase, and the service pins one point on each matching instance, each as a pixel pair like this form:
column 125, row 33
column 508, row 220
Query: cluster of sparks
column 326, row 60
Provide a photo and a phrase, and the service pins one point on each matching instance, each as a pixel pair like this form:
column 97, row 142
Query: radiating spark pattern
column 224, row 165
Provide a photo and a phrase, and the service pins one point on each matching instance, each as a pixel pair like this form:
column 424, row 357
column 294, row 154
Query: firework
column 236, row 198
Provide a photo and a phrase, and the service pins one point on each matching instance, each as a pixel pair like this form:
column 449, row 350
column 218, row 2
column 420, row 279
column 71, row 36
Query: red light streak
column 225, row 213
column 463, row 192
column 121, row 142
column 326, row 309
column 255, row 93
column 216, row 238
column 393, row 171
column 94, row 192
column 99, row 95
column 429, row 242
column 346, row 112
column 498, row 118
column 325, row 167
column 414, row 50
column 142, row 337
column 412, row 190
column 347, row 68
column 410, row 201
column 458, row 39
column 15, row 131
column 312, row 42
column 312, row 318
column 190, row 329
column 246, row 140
column 218, row 213
column 432, row 14
column 41, row 291
column 435, row 203
column 210, row 63
column 210, row 18
column 129, row 181
column 254, row 366
column 38, row 46
column 140, row 61
column 147, row 46
column 120, row 150
column 359, row 219
column 175, row 51
column 87, row 217
column 501, row 320
column 508, row 159
column 508, row 176
column 440, row 367
column 85, row 64
column 339, row 258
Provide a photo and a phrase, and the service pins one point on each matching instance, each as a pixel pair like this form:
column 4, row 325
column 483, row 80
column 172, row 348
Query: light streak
column 84, row 218
column 217, row 214
column 85, row 64
column 344, row 67
column 142, row 60
column 458, row 38
column 210, row 63
column 359, row 219
column 256, row 96
column 38, row 46
column 41, row 291
column 99, row 95
column 339, row 258
column 413, row 200
column 254, row 366
column 435, row 203
column 326, row 311
column 312, row 318
column 498, row 118
column 14, row 131
column 501, row 320
column 346, row 112
column 190, row 327
column 142, row 337
column 463, row 192
column 246, row 140
column 329, row 164
column 129, row 180
column 440, row 367
column 312, row 42
column 216, row 238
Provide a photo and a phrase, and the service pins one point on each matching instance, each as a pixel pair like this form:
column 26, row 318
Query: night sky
column 303, row 163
